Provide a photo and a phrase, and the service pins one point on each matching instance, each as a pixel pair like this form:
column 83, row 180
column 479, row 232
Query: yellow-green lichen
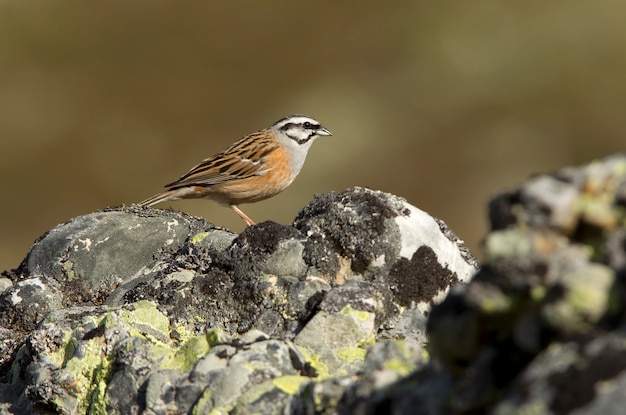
column 255, row 393
column 585, row 301
column 507, row 243
column 199, row 319
column 187, row 355
column 368, row 341
column 90, row 373
column 253, row 366
column 351, row 354
column 65, row 351
column 214, row 336
column 203, row 403
column 400, row 367
column 145, row 320
column 358, row 314
column 290, row 384
column 496, row 303
column 589, row 295
column 199, row 237
column 538, row 292
column 316, row 363
column 193, row 348
column 97, row 394
column 68, row 267
column 144, row 314
column 406, row 352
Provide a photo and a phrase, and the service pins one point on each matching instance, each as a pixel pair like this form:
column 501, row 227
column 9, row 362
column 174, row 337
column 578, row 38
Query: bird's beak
column 323, row 131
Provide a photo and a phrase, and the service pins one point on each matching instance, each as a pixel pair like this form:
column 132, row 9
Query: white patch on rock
column 379, row 261
column 86, row 244
column 102, row 241
column 15, row 296
column 36, row 282
column 171, row 224
column 420, row 229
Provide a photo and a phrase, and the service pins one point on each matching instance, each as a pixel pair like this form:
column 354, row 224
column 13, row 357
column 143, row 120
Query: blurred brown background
column 443, row 103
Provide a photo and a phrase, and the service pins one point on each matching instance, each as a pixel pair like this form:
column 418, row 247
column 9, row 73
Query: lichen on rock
column 149, row 311
column 364, row 304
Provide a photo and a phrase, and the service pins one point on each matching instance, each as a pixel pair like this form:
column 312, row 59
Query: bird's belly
column 256, row 188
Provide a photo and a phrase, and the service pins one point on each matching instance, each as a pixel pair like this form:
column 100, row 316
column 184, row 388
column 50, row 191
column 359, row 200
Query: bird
column 256, row 167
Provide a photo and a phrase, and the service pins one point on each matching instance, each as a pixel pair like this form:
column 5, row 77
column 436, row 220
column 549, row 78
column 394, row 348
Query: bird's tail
column 160, row 197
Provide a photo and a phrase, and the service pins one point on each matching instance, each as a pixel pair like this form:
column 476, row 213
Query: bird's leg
column 243, row 216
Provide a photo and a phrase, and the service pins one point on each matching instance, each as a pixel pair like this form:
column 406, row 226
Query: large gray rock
column 330, row 315
column 83, row 260
column 541, row 326
column 140, row 310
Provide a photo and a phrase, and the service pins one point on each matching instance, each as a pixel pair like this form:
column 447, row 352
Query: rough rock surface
column 134, row 310
column 330, row 315
column 540, row 329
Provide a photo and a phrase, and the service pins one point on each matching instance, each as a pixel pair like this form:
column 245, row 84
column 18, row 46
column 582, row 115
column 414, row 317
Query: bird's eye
column 308, row 125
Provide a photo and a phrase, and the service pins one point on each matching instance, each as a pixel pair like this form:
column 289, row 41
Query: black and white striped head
column 299, row 129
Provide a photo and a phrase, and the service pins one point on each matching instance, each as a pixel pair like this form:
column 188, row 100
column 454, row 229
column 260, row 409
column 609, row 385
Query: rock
column 560, row 378
column 84, row 260
column 572, row 201
column 5, row 284
column 539, row 329
column 520, row 334
column 142, row 310
column 400, row 243
column 379, row 233
column 96, row 249
column 332, row 313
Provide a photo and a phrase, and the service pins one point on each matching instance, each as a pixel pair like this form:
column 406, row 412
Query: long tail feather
column 160, row 197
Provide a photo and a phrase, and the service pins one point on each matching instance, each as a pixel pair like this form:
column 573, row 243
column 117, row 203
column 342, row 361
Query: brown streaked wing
column 243, row 159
